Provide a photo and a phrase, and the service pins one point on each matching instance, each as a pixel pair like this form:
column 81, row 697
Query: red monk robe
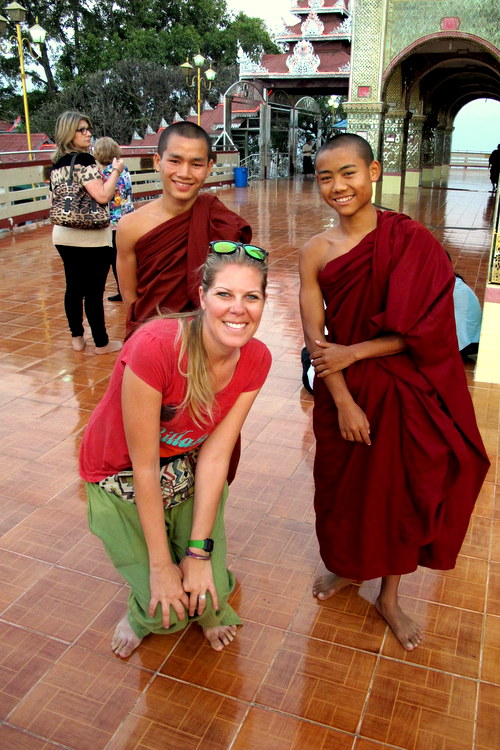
column 406, row 500
column 169, row 256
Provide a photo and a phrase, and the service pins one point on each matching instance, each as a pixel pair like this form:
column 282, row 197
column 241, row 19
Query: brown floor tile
column 237, row 671
column 319, row 681
column 284, row 542
column 17, row 573
column 269, row 730
column 488, row 717
column 493, row 600
column 409, row 706
column 82, row 700
column 346, row 619
column 491, row 656
column 17, row 739
column 61, row 603
column 45, row 534
column 174, row 716
column 267, row 594
column 25, row 659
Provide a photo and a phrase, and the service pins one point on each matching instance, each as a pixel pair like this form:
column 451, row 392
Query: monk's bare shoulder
column 142, row 220
column 314, row 252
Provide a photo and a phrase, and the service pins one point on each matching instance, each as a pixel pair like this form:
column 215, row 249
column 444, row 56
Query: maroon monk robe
column 169, row 256
column 406, row 500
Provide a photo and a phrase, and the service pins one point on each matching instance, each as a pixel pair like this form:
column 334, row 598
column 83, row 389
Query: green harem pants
column 116, row 522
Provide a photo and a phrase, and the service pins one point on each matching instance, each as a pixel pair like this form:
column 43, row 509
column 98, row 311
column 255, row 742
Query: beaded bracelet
column 198, row 557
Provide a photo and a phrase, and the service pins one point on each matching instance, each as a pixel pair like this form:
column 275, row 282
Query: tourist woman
column 178, row 396
column 84, row 252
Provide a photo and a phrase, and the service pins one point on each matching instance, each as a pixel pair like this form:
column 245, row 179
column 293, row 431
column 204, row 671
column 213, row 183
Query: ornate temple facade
column 407, row 67
column 317, row 52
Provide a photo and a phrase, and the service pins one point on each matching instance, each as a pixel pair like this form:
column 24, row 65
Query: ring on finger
column 202, row 597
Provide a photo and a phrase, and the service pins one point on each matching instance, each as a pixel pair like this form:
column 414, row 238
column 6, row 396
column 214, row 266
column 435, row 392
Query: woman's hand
column 167, row 590
column 353, row 423
column 329, row 358
column 118, row 164
column 197, row 580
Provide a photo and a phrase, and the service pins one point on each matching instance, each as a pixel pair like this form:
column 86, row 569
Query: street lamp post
column 193, row 77
column 17, row 14
column 334, row 102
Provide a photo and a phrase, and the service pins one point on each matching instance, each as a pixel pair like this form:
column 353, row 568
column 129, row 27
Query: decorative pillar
column 445, row 169
column 394, row 151
column 413, row 151
column 367, row 119
column 428, row 142
column 264, row 136
column 438, row 154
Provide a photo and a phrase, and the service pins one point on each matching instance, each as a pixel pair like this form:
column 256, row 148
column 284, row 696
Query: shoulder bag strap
column 72, row 166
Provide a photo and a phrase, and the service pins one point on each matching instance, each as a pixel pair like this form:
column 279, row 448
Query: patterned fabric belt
column 176, row 480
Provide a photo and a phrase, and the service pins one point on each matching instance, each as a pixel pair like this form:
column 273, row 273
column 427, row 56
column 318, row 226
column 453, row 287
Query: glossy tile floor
column 300, row 675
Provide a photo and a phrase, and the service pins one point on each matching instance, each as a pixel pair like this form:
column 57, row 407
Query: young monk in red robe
column 161, row 246
column 399, row 459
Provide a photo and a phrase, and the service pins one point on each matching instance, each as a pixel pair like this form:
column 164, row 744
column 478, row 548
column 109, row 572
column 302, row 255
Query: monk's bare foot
column 220, row 636
column 124, row 640
column 406, row 630
column 326, row 586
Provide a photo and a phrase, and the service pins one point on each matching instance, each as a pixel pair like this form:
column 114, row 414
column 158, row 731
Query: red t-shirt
column 152, row 354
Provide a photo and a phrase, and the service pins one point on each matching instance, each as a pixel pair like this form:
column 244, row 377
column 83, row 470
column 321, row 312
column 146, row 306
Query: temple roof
column 315, row 28
column 300, row 7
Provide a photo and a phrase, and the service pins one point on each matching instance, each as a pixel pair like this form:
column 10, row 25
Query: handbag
column 176, row 480
column 72, row 206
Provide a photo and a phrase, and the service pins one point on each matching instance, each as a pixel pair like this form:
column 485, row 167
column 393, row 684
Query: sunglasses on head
column 226, row 247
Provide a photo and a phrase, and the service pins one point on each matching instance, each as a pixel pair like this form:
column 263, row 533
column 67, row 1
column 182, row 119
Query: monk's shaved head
column 361, row 145
column 185, row 129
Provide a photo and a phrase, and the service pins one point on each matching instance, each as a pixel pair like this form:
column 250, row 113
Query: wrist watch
column 205, row 544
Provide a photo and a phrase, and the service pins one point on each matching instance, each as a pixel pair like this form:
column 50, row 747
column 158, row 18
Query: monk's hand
column 329, row 358
column 353, row 423
column 166, row 589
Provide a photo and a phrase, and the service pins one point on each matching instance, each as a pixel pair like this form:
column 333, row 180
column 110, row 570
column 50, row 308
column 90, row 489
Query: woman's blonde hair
column 200, row 396
column 106, row 149
column 66, row 127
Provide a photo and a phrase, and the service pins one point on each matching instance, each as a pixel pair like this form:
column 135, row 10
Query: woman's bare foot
column 406, row 630
column 111, row 346
column 124, row 640
column 326, row 586
column 78, row 343
column 220, row 636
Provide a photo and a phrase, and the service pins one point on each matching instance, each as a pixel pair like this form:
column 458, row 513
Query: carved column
column 414, row 151
column 445, row 169
column 394, row 150
column 367, row 119
column 428, row 143
column 439, row 139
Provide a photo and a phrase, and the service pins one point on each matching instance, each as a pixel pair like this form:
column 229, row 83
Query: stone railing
column 469, row 159
column 24, row 185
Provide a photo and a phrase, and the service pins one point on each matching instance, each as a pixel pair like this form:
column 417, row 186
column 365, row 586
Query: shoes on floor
column 116, row 298
column 111, row 346
column 78, row 343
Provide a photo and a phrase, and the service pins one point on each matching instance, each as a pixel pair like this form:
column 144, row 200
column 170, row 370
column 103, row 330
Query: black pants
column 86, row 269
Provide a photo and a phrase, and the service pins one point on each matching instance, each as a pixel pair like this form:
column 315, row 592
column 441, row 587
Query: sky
column 477, row 125
column 270, row 10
